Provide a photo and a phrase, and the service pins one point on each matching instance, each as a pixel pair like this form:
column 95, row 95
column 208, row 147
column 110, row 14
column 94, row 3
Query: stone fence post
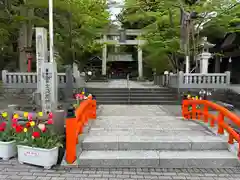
column 228, row 77
column 4, row 76
column 180, row 79
column 59, row 121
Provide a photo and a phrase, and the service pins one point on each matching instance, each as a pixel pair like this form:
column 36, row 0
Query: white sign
column 41, row 52
column 49, row 86
column 28, row 153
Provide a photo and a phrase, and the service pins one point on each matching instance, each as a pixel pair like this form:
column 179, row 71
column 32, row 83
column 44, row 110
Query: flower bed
column 7, row 138
column 36, row 141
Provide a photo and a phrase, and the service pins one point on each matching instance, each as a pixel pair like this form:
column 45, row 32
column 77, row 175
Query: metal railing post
column 128, row 87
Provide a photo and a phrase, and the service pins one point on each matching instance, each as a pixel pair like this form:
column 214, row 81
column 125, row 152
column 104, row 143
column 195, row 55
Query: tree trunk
column 25, row 38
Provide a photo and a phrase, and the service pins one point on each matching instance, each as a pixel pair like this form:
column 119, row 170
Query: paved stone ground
column 142, row 120
column 13, row 171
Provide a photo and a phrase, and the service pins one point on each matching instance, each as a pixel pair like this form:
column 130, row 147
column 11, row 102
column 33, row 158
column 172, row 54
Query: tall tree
column 161, row 19
column 75, row 25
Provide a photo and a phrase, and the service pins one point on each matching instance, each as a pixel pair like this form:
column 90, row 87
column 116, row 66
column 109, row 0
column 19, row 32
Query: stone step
column 131, row 89
column 140, row 102
column 138, row 129
column 134, row 98
column 96, row 143
column 161, row 159
column 151, row 133
column 134, row 93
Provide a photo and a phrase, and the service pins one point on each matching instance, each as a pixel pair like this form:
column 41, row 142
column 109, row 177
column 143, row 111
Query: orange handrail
column 202, row 112
column 75, row 125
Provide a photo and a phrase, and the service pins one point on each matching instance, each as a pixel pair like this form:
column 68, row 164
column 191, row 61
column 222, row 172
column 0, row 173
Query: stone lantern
column 203, row 57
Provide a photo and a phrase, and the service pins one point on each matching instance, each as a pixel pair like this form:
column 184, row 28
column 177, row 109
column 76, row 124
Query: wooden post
column 71, row 133
column 220, row 121
column 205, row 113
column 194, row 111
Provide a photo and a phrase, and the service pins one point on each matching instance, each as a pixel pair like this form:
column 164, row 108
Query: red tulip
column 28, row 124
column 14, row 120
column 50, row 115
column 2, row 126
column 2, row 129
column 50, row 121
column 35, row 134
column 19, row 128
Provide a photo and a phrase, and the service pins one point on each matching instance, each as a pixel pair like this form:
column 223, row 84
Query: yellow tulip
column 15, row 116
column 25, row 114
column 32, row 123
column 25, row 130
column 196, row 97
column 83, row 92
column 40, row 114
column 4, row 114
column 75, row 105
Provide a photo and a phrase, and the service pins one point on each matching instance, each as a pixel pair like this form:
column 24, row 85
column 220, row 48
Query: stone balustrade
column 195, row 80
column 29, row 80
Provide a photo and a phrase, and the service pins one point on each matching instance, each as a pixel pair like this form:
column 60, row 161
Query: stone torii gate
column 121, row 41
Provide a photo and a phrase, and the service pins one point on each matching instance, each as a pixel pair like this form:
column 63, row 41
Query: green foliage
column 162, row 30
column 75, row 25
column 161, row 21
column 226, row 21
column 7, row 135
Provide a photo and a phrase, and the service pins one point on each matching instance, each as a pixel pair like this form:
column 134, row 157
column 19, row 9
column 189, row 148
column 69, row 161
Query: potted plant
column 7, row 141
column 38, row 144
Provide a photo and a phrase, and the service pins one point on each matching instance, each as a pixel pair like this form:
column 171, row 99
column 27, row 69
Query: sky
column 116, row 10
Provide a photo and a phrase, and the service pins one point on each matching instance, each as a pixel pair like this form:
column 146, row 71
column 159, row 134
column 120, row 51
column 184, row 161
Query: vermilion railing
column 200, row 111
column 75, row 125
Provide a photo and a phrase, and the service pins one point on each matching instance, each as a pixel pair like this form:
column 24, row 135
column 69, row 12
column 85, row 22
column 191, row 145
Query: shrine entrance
column 117, row 62
column 120, row 69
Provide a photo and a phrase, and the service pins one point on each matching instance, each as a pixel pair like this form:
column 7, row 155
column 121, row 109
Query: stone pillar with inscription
column 49, row 87
column 41, row 53
column 41, row 57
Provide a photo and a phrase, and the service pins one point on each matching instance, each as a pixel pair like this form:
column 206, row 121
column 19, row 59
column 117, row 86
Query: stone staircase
column 146, row 136
column 135, row 95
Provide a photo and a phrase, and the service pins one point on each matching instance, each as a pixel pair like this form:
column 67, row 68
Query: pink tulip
column 50, row 115
column 14, row 120
column 30, row 116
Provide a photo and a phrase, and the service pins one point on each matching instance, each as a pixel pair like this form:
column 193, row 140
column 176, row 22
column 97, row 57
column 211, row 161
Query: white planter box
column 38, row 156
column 8, row 150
